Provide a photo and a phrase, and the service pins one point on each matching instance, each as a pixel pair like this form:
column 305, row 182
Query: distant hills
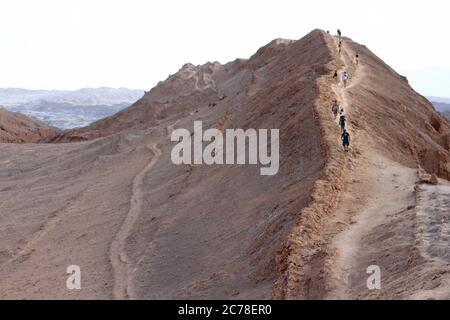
column 68, row 109
column 442, row 105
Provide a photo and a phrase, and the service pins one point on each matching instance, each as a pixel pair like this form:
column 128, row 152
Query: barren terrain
column 108, row 198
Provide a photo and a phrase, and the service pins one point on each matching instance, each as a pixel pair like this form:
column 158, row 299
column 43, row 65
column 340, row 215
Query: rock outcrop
column 18, row 128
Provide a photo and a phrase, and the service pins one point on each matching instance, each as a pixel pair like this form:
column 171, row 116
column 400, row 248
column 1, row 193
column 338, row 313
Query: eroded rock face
column 18, row 128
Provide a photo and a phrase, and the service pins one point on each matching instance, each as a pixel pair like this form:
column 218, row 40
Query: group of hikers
column 335, row 109
column 339, row 33
column 345, row 136
column 345, row 77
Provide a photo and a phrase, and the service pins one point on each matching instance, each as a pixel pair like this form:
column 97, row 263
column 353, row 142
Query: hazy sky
column 68, row 44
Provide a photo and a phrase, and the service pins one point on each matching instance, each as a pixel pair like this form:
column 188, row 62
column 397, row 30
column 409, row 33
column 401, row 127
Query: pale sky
column 69, row 44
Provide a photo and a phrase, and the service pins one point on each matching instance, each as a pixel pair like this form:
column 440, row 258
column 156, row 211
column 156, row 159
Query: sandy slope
column 64, row 206
column 382, row 235
column 182, row 231
column 397, row 228
column 119, row 258
column 383, row 213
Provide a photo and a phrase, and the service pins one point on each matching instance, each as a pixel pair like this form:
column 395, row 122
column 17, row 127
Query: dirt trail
column 355, row 78
column 391, row 192
column 120, row 261
column 401, row 226
column 123, row 287
column 345, row 101
column 377, row 223
column 371, row 192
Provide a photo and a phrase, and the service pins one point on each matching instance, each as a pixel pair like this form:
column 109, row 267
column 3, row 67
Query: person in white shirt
column 345, row 77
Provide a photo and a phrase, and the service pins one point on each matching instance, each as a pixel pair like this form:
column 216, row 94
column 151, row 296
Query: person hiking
column 342, row 121
column 345, row 140
column 335, row 109
column 335, row 76
column 340, row 47
column 345, row 77
column 357, row 59
column 339, row 33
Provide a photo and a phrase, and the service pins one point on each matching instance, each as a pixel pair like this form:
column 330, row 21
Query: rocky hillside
column 394, row 115
column 18, row 128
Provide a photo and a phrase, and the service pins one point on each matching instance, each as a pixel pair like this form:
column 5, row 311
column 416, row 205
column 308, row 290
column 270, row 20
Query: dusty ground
column 139, row 227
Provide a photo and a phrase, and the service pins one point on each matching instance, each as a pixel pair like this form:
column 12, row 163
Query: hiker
column 357, row 59
column 345, row 140
column 345, row 77
column 342, row 121
column 335, row 76
column 339, row 32
column 340, row 47
column 335, row 109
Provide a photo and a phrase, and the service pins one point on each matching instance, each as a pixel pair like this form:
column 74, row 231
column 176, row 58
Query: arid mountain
column 371, row 212
column 141, row 227
column 18, row 128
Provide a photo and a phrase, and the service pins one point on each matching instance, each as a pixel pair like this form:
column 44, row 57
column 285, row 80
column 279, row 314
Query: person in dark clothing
column 335, row 109
column 357, row 59
column 335, row 76
column 340, row 47
column 339, row 33
column 345, row 140
column 342, row 122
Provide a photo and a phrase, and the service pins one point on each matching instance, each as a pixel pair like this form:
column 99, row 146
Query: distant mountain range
column 441, row 104
column 68, row 109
